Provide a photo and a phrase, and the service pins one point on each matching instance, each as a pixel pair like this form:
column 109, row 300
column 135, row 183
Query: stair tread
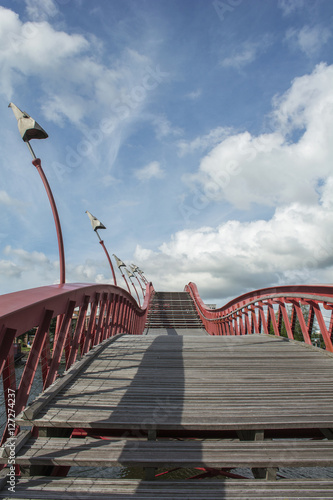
column 97, row 488
column 210, row 453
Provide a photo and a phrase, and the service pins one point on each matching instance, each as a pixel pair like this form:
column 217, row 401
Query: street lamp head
column 96, row 224
column 119, row 262
column 28, row 127
column 129, row 273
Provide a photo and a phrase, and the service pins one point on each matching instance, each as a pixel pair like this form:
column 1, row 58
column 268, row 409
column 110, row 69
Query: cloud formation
column 271, row 169
column 288, row 7
column 292, row 247
column 291, row 173
column 309, row 39
column 246, row 53
column 41, row 10
column 151, row 171
column 204, row 142
column 33, row 48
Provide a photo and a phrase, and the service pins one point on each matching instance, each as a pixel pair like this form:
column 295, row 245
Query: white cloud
column 270, row 169
column 150, row 171
column 309, row 39
column 29, row 258
column 9, row 270
column 23, row 269
column 116, row 93
column 204, row 142
column 104, row 98
column 194, row 95
column 294, row 246
column 290, row 6
column 246, row 53
column 8, row 201
column 33, row 48
column 163, row 127
column 41, row 10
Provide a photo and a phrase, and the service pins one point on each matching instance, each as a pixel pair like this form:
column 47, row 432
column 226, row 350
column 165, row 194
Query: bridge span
column 186, row 402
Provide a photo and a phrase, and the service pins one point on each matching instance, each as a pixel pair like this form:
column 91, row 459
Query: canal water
column 136, row 472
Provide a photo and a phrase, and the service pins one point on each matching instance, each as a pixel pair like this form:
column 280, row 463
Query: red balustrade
column 268, row 309
column 86, row 315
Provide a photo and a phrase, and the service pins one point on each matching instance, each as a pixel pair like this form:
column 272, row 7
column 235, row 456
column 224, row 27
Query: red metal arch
column 254, row 312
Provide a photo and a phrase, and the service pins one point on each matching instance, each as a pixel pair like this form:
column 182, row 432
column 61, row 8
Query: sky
column 199, row 132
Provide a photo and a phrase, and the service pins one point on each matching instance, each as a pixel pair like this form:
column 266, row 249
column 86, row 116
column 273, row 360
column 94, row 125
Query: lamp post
column 140, row 272
column 96, row 224
column 134, row 270
column 121, row 264
column 30, row 129
column 130, row 274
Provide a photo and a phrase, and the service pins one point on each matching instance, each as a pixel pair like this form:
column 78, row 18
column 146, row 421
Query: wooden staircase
column 173, row 310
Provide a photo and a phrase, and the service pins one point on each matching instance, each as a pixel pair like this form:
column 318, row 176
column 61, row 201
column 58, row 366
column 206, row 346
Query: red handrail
column 98, row 311
column 265, row 310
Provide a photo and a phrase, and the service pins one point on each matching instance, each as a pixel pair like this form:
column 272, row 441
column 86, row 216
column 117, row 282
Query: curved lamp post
column 121, row 264
column 134, row 270
column 96, row 224
column 30, row 129
column 140, row 272
column 130, row 275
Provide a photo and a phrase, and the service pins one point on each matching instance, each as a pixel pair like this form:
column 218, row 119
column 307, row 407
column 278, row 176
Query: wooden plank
column 97, row 488
column 168, row 453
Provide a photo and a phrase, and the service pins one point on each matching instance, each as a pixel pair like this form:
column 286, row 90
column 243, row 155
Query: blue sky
column 199, row 132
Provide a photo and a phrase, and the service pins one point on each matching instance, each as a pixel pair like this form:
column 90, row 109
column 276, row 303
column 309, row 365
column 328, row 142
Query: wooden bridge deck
column 253, row 401
column 184, row 382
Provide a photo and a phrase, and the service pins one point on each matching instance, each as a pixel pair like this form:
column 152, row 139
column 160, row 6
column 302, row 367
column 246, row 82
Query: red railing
column 278, row 310
column 86, row 315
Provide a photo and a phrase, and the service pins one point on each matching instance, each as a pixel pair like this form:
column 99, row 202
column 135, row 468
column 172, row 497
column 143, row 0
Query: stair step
column 173, row 453
column 172, row 310
column 67, row 488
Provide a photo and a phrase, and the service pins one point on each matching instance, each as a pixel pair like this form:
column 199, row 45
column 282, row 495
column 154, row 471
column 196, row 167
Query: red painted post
column 106, row 324
column 91, row 326
column 302, row 323
column 111, row 315
column 123, row 316
column 330, row 328
column 110, row 262
column 78, row 332
column 37, row 163
column 286, row 320
column 118, row 318
column 279, row 322
column 7, row 337
column 9, row 389
column 273, row 318
column 293, row 320
column 322, row 326
column 310, row 319
column 58, row 348
column 46, row 357
column 129, row 318
column 99, row 331
column 115, row 315
column 262, row 317
column 247, row 322
column 32, row 361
